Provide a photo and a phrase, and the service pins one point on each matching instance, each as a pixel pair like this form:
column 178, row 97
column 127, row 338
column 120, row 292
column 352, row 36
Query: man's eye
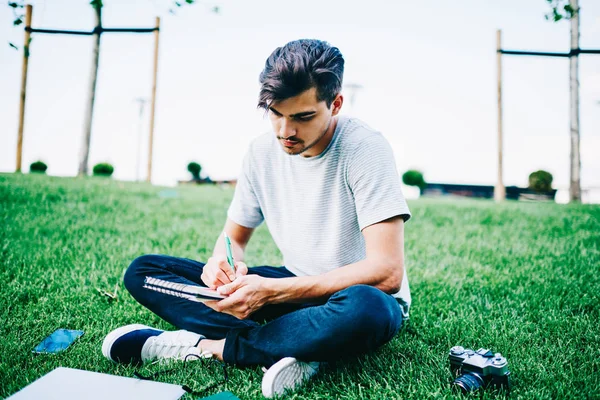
column 305, row 118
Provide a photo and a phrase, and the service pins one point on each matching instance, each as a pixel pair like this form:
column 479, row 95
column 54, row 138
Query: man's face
column 304, row 125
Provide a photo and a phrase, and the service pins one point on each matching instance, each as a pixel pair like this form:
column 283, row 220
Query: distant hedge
column 414, row 178
column 103, row 169
column 39, row 167
column 540, row 181
column 194, row 168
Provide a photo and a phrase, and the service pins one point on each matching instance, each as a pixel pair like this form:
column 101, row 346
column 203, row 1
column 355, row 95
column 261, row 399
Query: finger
column 204, row 279
column 209, row 272
column 226, row 268
column 211, row 280
column 222, row 277
column 217, row 283
column 241, row 268
column 230, row 287
column 212, row 304
column 228, row 304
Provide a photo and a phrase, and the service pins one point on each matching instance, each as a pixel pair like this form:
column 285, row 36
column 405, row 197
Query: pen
column 229, row 252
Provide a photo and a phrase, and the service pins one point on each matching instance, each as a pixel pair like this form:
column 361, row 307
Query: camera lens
column 468, row 382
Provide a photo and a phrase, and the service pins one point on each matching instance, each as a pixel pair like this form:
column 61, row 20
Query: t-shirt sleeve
column 244, row 208
column 375, row 183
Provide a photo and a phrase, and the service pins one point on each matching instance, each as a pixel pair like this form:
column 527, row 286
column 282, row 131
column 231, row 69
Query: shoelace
column 172, row 349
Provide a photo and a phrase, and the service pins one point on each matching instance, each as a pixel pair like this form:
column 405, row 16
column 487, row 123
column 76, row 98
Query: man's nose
column 287, row 129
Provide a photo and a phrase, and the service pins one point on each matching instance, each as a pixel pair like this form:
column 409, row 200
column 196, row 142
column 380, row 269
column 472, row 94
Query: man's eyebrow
column 297, row 115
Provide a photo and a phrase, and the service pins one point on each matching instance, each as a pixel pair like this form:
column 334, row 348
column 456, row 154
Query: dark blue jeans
column 353, row 321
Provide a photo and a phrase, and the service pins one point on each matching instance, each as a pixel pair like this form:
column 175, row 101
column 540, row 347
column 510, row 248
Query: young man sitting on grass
column 328, row 188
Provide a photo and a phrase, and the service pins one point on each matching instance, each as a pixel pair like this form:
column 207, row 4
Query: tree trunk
column 87, row 132
column 575, row 186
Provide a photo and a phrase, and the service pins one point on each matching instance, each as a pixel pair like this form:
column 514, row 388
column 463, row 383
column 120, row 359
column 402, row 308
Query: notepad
column 195, row 293
column 68, row 383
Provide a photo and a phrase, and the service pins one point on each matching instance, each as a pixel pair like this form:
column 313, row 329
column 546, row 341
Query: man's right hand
column 217, row 272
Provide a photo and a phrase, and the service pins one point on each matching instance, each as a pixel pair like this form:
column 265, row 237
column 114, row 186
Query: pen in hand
column 229, row 252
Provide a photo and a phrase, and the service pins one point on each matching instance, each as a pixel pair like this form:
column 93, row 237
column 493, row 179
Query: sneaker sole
column 277, row 377
column 109, row 340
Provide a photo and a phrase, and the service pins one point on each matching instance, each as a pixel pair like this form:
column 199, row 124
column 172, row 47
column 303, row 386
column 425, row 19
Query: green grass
column 520, row 278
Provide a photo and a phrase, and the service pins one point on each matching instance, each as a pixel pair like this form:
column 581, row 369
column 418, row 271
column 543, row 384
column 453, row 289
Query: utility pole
column 28, row 14
column 353, row 88
column 500, row 189
column 142, row 102
column 153, row 103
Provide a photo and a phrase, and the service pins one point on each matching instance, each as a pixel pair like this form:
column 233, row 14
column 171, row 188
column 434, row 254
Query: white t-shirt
column 315, row 207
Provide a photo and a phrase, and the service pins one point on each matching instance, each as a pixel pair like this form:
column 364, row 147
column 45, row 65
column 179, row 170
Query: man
column 328, row 189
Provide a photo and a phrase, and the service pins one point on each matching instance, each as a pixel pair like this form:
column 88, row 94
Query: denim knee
column 371, row 310
column 132, row 279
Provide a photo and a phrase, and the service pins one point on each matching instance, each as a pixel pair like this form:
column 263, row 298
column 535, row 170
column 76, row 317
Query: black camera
column 478, row 369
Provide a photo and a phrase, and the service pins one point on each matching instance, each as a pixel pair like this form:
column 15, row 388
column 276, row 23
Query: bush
column 540, row 181
column 414, row 178
column 103, row 169
column 194, row 169
column 38, row 167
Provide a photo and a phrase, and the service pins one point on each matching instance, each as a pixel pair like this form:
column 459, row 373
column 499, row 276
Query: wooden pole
column 153, row 101
column 575, row 170
column 28, row 14
column 87, row 131
column 499, row 190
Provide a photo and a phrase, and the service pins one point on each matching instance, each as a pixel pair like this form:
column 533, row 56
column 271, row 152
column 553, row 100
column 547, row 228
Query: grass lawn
column 520, row 278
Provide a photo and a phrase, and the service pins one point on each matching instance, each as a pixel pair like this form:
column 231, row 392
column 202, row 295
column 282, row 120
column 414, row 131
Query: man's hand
column 217, row 272
column 245, row 295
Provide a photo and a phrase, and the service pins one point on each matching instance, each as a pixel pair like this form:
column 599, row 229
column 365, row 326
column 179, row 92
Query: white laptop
column 68, row 383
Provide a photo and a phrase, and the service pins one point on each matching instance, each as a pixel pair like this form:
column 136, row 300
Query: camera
column 473, row 370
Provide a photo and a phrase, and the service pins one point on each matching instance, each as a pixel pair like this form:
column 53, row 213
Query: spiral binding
column 190, row 292
column 174, row 293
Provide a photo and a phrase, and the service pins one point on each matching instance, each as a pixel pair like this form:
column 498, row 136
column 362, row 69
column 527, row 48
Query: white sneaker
column 287, row 373
column 175, row 345
column 138, row 343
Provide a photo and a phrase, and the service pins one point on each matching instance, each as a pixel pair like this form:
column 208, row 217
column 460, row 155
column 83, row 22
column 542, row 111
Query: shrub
column 103, row 169
column 540, row 181
column 38, row 166
column 414, row 178
column 194, row 169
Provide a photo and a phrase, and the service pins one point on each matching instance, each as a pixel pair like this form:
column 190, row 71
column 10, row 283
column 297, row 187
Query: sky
column 427, row 71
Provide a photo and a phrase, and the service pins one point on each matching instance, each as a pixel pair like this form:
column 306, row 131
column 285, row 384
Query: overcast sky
column 428, row 71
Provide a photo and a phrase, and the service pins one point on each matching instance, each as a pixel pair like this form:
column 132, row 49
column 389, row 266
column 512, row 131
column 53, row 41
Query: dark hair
column 298, row 66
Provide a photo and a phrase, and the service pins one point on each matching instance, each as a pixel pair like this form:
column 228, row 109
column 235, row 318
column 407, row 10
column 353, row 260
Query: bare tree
column 18, row 7
column 569, row 9
column 89, row 115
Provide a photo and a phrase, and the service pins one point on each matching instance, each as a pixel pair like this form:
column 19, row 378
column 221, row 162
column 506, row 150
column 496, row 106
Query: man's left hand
column 245, row 295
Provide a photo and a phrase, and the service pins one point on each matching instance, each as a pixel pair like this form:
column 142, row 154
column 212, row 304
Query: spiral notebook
column 195, row 293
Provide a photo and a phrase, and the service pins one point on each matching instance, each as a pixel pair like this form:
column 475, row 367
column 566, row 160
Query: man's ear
column 337, row 104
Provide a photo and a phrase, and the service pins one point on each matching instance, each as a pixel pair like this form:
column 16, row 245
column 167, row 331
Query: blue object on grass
column 58, row 341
